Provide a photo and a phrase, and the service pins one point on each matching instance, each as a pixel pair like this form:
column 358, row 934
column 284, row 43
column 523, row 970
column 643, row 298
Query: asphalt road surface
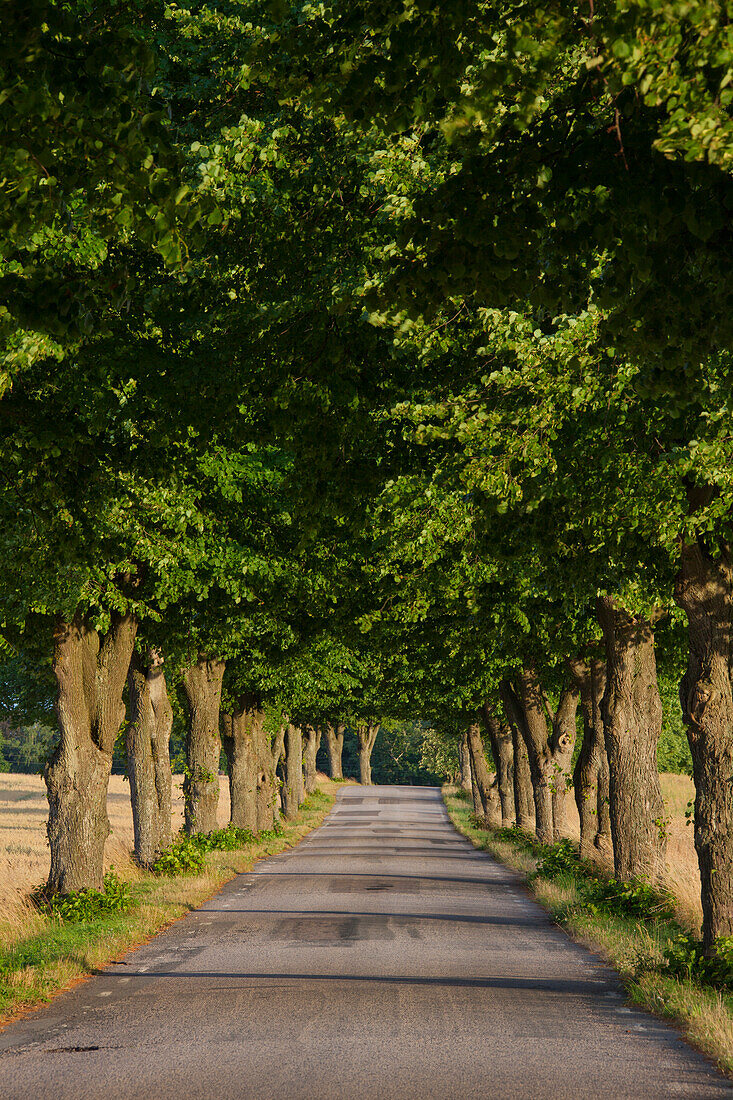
column 382, row 958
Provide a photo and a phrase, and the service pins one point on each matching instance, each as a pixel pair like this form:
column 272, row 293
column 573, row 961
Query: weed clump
column 187, row 854
column 685, row 958
column 87, row 905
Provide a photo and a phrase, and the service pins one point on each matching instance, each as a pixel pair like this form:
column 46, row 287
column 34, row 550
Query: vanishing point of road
column 382, row 958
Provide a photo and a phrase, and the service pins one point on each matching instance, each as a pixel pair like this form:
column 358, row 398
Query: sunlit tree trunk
column 202, row 683
column 335, row 746
column 502, row 750
column 311, row 745
column 148, row 755
column 704, row 590
column 366, row 735
column 590, row 778
column 632, row 720
column 90, row 671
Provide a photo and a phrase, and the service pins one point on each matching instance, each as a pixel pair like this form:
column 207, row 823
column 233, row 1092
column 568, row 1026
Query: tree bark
column 488, row 794
column 502, row 750
column 523, row 798
column 366, row 736
column 632, row 721
column 148, row 756
column 704, row 590
column 202, row 684
column 524, row 704
column 590, row 778
column 292, row 789
column 242, row 738
column 311, row 745
column 478, row 806
column 90, row 672
column 269, row 797
column 465, row 763
column 335, row 746
column 564, row 733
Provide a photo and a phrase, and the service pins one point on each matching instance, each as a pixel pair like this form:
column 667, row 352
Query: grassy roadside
column 54, row 954
column 635, row 945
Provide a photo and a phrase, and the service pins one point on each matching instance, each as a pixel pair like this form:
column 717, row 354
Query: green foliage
column 223, row 840
column 88, row 905
column 27, row 748
column 627, row 899
column 685, row 958
column 183, row 857
column 558, row 859
column 187, row 854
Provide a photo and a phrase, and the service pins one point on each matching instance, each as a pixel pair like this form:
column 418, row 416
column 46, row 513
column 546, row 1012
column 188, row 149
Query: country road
column 382, row 958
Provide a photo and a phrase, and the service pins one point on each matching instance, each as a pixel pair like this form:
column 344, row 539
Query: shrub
column 87, row 905
column 685, row 958
column 187, row 854
column 223, row 840
column 558, row 859
column 627, row 899
column 183, row 857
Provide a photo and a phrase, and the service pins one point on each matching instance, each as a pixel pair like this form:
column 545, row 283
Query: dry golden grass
column 24, row 857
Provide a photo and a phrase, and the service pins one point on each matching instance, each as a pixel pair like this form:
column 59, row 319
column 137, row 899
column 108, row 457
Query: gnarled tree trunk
column 148, row 756
column 704, row 590
column 464, row 760
column 523, row 798
column 524, row 704
column 202, row 684
column 480, row 774
column 292, row 789
column 335, row 746
column 590, row 778
column 90, row 672
column 564, row 732
column 502, row 750
column 267, row 784
column 311, row 745
column 242, row 738
column 366, row 736
column 632, row 721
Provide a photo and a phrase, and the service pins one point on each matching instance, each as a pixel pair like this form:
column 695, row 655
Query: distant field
column 24, row 857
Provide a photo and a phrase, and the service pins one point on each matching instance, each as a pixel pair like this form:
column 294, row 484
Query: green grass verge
column 51, row 954
column 636, row 946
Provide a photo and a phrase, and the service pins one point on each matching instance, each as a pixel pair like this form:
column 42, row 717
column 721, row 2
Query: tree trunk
column 148, row 756
column 90, row 672
column 268, row 795
column 564, row 733
column 632, row 721
column 502, row 750
column 523, row 799
column 335, row 746
column 311, row 745
column 478, row 806
column 202, row 684
column 526, row 709
column 590, row 778
column 366, row 735
column 242, row 739
column 704, row 590
column 292, row 790
column 488, row 795
column 465, row 763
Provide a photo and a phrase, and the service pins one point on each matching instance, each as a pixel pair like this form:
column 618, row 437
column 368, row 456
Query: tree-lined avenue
column 447, row 975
